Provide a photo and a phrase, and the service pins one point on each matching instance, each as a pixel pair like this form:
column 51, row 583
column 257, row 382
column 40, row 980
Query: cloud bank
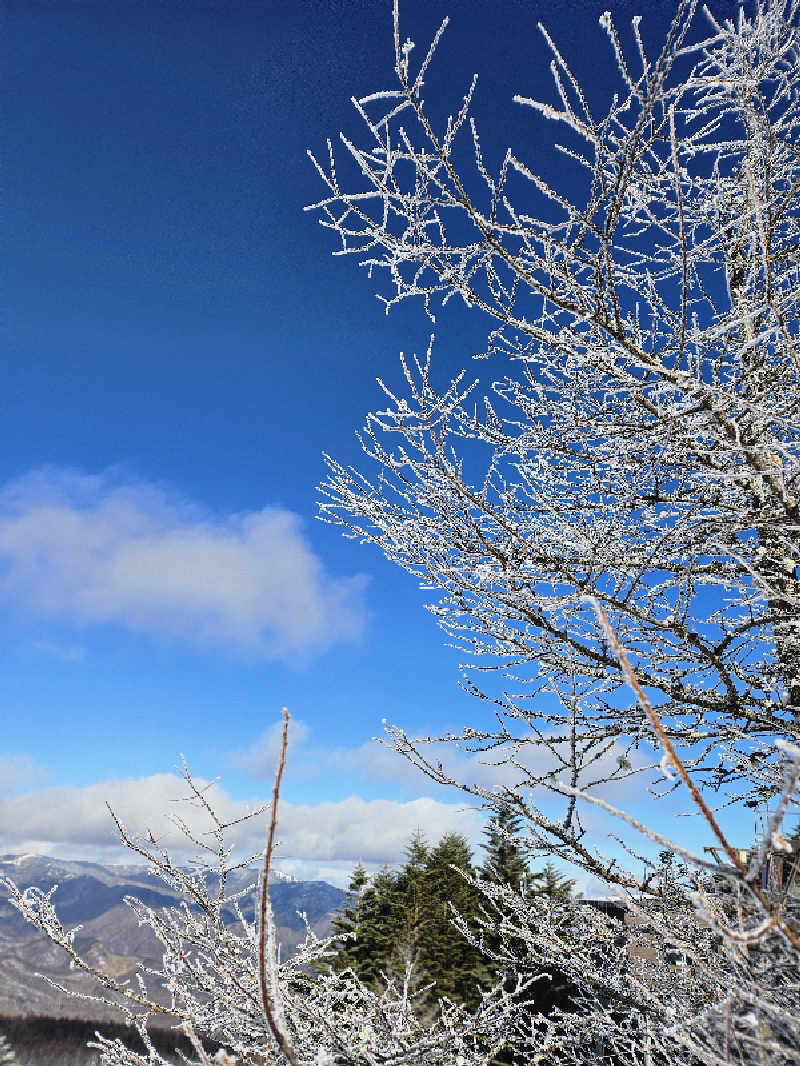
column 372, row 761
column 74, row 822
column 105, row 549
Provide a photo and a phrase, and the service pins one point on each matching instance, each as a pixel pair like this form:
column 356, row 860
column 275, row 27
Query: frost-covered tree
column 611, row 522
column 640, row 446
column 613, row 529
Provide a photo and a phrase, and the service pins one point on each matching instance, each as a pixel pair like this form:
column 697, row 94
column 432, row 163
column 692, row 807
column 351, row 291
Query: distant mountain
column 92, row 895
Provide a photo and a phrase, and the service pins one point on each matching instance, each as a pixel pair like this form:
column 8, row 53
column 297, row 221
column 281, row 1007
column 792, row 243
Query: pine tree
column 447, row 958
column 404, row 916
column 385, row 914
column 412, row 894
column 549, row 882
column 505, row 862
column 347, row 920
column 374, row 955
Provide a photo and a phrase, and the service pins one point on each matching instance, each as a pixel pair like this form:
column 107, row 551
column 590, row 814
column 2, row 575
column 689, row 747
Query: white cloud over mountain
column 315, row 841
column 106, row 549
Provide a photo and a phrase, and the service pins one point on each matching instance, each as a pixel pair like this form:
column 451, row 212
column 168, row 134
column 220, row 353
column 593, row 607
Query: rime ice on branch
column 628, row 485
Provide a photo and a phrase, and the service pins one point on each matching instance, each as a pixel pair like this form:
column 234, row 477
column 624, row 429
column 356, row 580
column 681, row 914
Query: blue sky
column 180, row 349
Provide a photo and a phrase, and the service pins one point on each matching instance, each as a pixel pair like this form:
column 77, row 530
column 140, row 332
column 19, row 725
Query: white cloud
column 103, row 549
column 260, row 759
column 325, row 840
column 374, row 761
column 67, row 653
column 320, row 842
column 373, row 830
column 369, row 761
column 18, row 771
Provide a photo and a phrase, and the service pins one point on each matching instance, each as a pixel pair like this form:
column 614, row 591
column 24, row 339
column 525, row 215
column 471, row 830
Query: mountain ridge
column 93, row 896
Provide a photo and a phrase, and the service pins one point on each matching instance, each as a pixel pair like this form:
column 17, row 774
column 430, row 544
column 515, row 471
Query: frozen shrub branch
column 221, row 980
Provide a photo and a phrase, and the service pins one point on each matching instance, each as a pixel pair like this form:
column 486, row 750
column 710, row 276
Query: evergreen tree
column 446, row 957
column 549, row 882
column 404, row 916
column 412, row 893
column 374, row 912
column 555, row 989
column 381, row 927
column 506, row 862
column 347, row 920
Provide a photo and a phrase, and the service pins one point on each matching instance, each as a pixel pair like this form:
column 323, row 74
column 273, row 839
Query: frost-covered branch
column 610, row 524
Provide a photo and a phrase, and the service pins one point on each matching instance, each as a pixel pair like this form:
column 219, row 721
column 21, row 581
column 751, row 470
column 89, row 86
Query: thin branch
column 272, row 1009
column 682, row 772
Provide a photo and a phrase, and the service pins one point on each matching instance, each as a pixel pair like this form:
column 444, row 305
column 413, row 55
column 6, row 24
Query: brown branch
column 190, row 1034
column 278, row 1032
column 682, row 772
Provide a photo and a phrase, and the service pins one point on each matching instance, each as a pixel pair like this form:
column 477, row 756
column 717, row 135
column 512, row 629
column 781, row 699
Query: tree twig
column 271, row 1009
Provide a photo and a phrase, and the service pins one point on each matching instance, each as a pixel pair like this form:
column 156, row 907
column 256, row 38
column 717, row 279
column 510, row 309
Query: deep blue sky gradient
column 172, row 312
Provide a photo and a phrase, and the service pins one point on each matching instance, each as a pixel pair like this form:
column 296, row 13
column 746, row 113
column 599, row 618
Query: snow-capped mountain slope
column 93, row 895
